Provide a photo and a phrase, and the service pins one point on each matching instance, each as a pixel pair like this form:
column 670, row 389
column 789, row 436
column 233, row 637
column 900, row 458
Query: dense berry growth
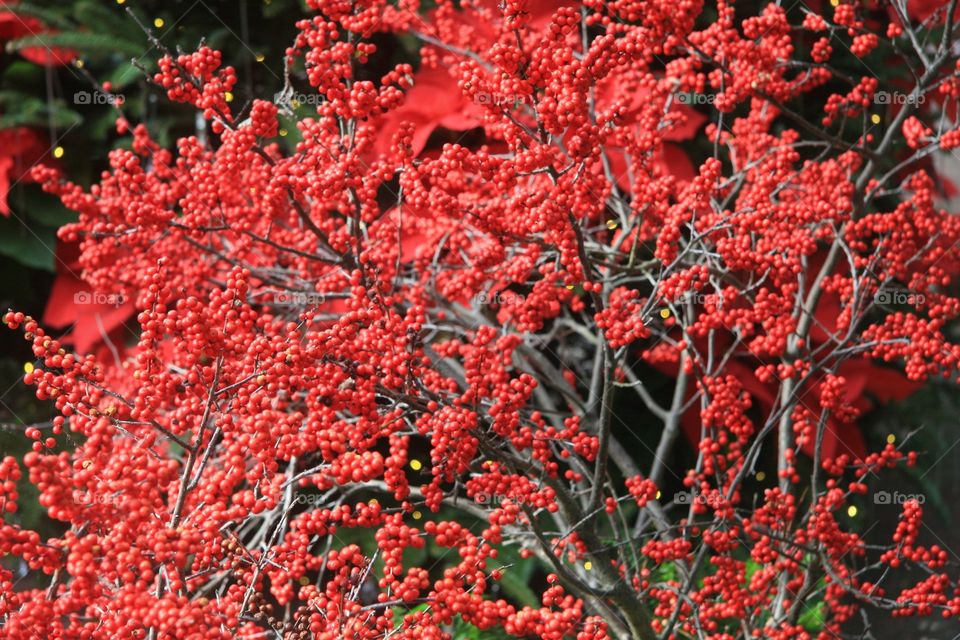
column 433, row 341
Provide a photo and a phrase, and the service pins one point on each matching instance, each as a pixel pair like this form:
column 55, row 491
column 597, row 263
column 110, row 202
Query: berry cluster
column 377, row 347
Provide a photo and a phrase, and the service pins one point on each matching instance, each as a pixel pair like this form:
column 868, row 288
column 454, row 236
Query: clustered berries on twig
column 374, row 332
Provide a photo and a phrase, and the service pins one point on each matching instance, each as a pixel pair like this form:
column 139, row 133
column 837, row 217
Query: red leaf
column 13, row 26
column 688, row 120
column 920, row 10
column 672, row 160
column 87, row 314
column 839, row 438
column 6, row 164
column 434, row 101
column 49, row 56
column 675, row 161
column 26, row 146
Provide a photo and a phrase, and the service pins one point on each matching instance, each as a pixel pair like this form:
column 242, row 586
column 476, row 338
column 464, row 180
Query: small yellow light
column 158, row 23
column 228, row 96
column 658, row 495
column 28, row 367
column 761, row 476
column 852, row 511
column 611, row 224
column 260, row 57
column 417, row 515
column 570, row 287
column 875, row 119
column 283, row 133
column 78, row 63
column 373, row 502
column 121, row 1
column 891, row 439
column 58, row 152
column 304, row 581
column 664, row 313
column 834, row 3
column 588, row 565
column 416, row 465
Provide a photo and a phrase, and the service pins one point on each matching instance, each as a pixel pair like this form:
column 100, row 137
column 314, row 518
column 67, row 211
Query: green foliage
column 465, row 631
column 30, row 246
column 33, row 112
column 813, row 616
column 50, row 16
column 79, row 41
